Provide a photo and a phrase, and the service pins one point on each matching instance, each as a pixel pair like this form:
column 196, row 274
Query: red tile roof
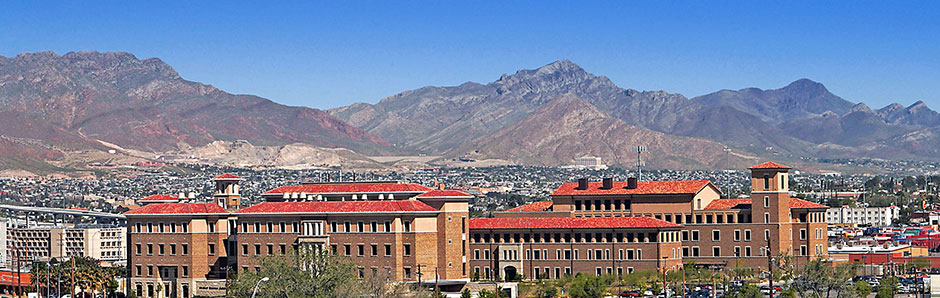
column 770, row 165
column 445, row 194
column 226, row 176
column 160, row 198
column 338, row 207
column 729, row 204
column 568, row 222
column 799, row 203
column 178, row 208
column 738, row 203
column 350, row 187
column 642, row 188
column 537, row 206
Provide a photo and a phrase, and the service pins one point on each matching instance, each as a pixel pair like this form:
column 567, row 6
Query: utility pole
column 639, row 161
column 437, row 278
column 770, row 265
column 728, row 167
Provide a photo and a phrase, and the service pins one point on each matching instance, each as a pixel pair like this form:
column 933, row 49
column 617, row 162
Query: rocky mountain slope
column 802, row 119
column 569, row 127
column 70, row 101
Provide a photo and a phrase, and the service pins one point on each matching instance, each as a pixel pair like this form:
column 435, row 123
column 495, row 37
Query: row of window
column 316, row 227
column 601, row 205
column 162, row 249
column 560, row 254
column 170, row 227
column 164, row 271
column 167, row 292
column 576, row 237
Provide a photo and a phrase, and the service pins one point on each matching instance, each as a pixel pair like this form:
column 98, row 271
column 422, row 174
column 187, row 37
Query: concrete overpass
column 62, row 211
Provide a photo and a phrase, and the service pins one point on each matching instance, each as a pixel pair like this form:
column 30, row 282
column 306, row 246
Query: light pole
column 257, row 285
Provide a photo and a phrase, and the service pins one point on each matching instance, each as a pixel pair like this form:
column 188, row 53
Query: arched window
column 766, row 181
column 766, row 217
column 766, row 201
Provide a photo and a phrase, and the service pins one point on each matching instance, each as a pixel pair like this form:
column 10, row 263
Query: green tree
column 862, row 288
column 887, row 287
column 465, row 293
column 545, row 290
column 821, row 278
column 587, row 287
column 747, row 291
column 304, row 273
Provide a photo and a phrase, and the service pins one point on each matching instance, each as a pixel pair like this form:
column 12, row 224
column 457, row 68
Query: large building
column 389, row 228
column 43, row 243
column 610, row 226
column 863, row 216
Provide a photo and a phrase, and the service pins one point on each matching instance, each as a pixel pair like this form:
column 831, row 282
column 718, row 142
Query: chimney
column 181, row 196
column 631, row 183
column 582, row 184
column 608, row 183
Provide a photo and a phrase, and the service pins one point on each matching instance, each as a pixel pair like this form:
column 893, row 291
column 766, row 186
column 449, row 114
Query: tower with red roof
column 227, row 193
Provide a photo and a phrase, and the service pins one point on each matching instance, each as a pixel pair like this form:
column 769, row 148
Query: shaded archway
column 510, row 273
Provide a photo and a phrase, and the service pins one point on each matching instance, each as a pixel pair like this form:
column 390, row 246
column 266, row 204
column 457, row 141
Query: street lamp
column 256, row 286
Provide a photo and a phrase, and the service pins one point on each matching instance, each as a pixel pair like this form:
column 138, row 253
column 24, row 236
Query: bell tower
column 770, row 193
column 227, row 193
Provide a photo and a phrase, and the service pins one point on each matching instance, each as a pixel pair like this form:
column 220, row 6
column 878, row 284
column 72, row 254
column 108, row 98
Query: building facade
column 392, row 229
column 863, row 216
column 44, row 243
column 709, row 230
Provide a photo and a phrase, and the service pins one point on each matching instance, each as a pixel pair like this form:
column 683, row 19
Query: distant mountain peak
column 917, row 105
column 806, row 85
column 861, row 107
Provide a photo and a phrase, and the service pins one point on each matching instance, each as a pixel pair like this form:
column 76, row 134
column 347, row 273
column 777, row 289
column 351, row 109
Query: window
column 716, row 251
column 766, row 217
column 138, row 248
column 257, row 249
column 407, row 248
column 270, row 249
column 283, row 248
column 139, row 270
column 185, row 271
column 244, row 249
column 360, row 227
column 282, row 227
column 360, row 249
column 766, row 202
column 737, row 235
column 766, row 181
column 685, row 236
column 294, row 227
column 184, row 227
column 406, row 226
column 747, row 235
column 695, row 251
column 269, row 227
column 388, row 226
column 375, row 250
column 373, row 226
column 333, row 227
column 347, row 249
column 766, row 235
column 211, row 226
column 695, row 235
column 257, row 227
column 347, row 227
column 388, row 251
column 244, row 227
column 149, row 249
column 172, row 249
column 211, row 249
column 737, row 251
column 803, row 234
column 747, row 251
column 716, row 235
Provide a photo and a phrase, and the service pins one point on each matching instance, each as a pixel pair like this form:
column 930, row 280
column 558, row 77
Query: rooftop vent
column 631, row 183
column 582, row 183
column 608, row 183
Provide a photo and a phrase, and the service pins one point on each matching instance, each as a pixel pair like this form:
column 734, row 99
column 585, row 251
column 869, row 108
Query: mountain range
column 57, row 109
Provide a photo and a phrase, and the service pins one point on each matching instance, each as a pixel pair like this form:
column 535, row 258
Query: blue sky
column 328, row 54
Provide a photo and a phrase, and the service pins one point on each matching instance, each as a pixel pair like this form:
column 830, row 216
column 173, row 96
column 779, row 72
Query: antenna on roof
column 639, row 160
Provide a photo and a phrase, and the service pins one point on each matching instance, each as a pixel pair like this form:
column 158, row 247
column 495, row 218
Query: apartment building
column 44, row 243
column 388, row 228
column 708, row 230
column 863, row 216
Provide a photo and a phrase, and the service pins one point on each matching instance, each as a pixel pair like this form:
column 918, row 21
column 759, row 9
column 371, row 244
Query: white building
column 870, row 216
column 589, row 162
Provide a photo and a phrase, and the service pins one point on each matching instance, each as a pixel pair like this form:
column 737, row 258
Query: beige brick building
column 392, row 229
column 686, row 216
